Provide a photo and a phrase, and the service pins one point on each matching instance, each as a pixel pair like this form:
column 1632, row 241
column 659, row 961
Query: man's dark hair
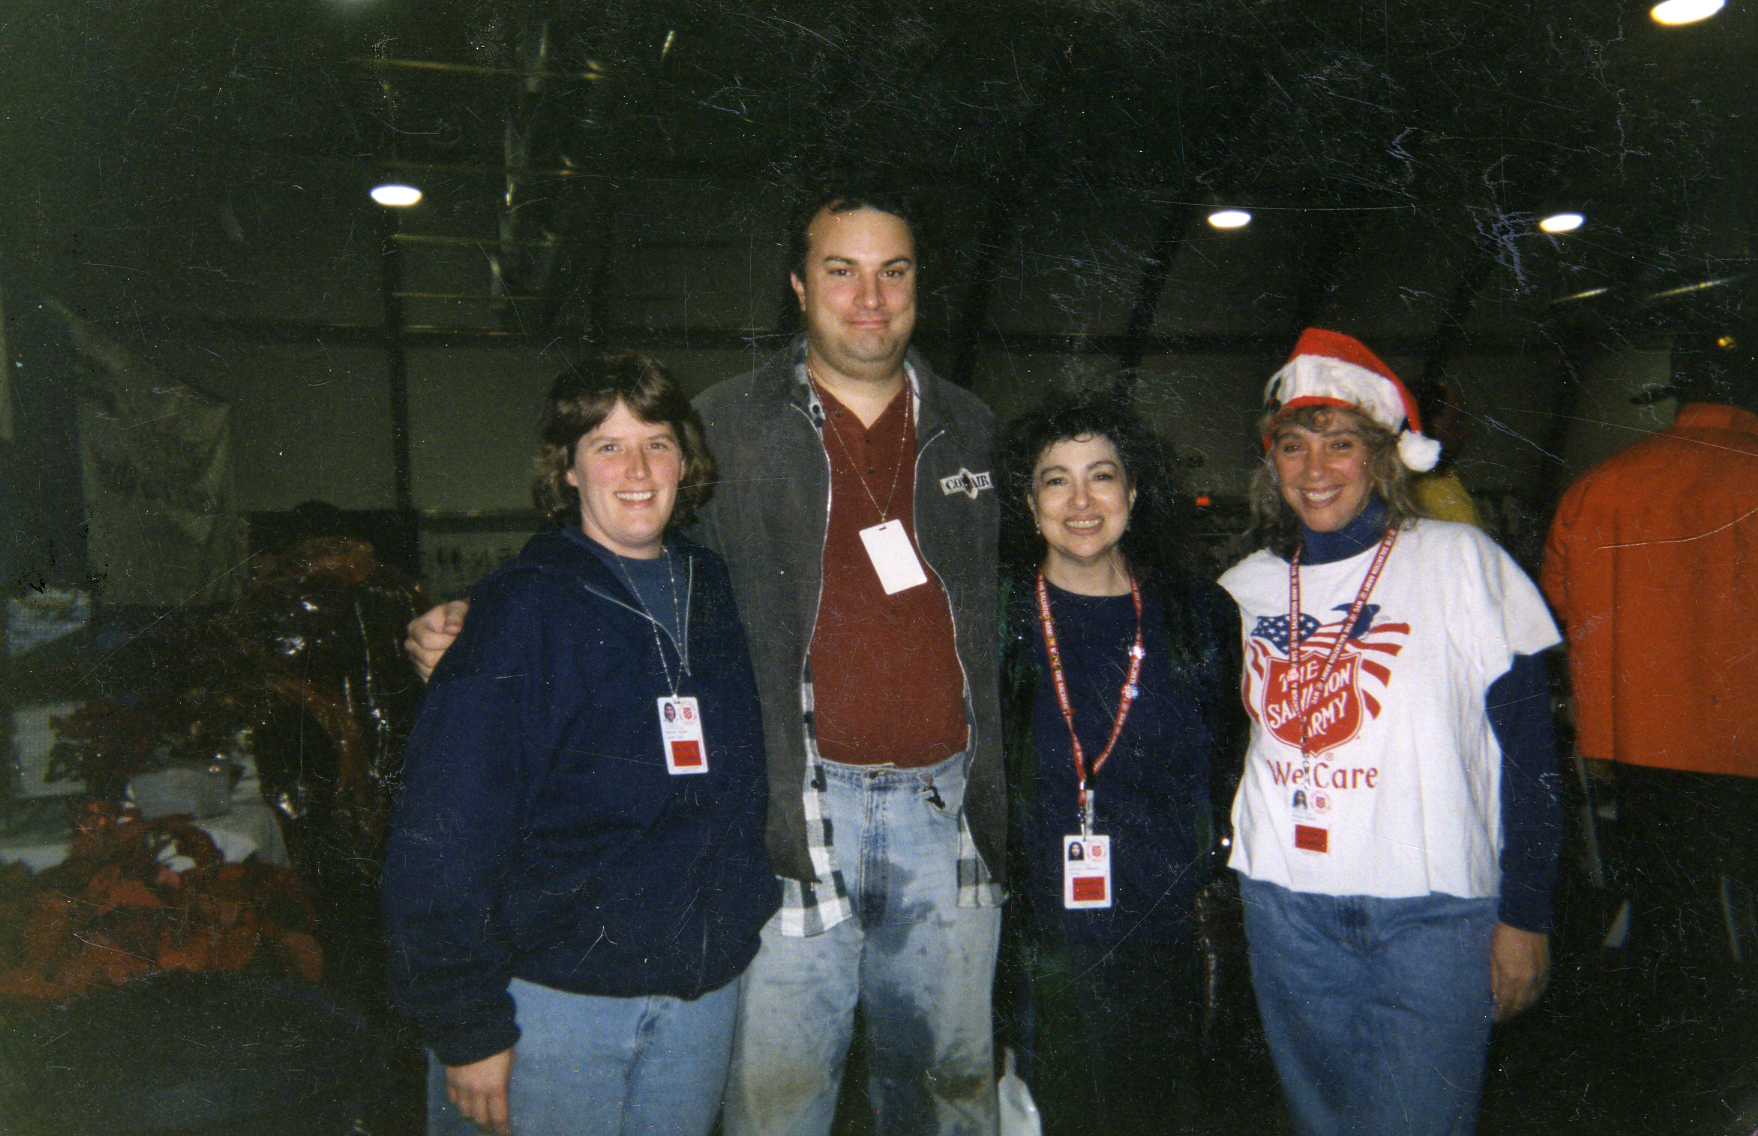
column 1717, row 366
column 843, row 199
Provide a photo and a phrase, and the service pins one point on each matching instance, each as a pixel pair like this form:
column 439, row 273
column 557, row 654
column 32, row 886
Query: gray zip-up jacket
column 768, row 518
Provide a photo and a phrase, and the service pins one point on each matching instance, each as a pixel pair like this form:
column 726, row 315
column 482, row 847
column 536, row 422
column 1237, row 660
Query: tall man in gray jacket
column 856, row 514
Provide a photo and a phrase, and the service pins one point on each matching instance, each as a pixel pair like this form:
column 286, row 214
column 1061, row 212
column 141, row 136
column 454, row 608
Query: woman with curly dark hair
column 1119, row 699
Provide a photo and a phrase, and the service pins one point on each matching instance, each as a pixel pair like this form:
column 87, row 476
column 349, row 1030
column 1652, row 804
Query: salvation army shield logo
column 1349, row 698
column 1333, row 714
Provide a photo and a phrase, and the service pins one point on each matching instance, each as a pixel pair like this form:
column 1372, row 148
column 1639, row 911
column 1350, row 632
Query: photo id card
column 888, row 547
column 680, row 727
column 1086, row 871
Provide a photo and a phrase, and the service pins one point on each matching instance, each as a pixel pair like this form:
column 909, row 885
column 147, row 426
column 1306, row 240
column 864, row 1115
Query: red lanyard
column 1373, row 577
column 1059, row 679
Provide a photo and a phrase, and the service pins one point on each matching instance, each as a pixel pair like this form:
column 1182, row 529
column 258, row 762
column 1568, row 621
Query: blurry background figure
column 1439, row 493
column 1652, row 565
column 300, row 686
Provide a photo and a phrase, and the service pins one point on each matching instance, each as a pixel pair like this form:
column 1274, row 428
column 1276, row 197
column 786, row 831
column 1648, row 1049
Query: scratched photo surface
column 252, row 422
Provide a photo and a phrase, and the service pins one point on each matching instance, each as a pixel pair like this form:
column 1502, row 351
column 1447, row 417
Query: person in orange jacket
column 1652, row 566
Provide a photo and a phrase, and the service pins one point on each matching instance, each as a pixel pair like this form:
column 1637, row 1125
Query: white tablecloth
column 249, row 827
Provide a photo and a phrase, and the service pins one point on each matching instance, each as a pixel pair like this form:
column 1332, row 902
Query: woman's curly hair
column 1159, row 546
column 1158, row 540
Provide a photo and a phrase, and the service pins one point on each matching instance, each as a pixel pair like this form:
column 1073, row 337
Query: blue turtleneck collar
column 1352, row 539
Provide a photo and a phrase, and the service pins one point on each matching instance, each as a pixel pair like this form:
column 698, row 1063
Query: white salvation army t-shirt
column 1402, row 793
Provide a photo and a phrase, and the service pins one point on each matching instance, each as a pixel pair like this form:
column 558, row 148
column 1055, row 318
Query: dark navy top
column 1150, row 792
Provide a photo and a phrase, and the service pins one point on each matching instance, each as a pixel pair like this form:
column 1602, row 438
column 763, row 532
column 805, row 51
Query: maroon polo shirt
column 886, row 681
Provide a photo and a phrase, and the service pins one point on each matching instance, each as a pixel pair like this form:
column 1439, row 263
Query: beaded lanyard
column 1125, row 697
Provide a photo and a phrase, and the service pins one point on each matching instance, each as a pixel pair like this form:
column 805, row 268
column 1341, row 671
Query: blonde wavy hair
column 1275, row 525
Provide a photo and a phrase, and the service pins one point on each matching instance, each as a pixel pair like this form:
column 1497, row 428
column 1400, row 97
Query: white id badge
column 888, row 547
column 680, row 725
column 1086, row 871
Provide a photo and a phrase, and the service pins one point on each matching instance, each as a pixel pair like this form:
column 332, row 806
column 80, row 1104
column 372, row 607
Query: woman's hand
column 431, row 635
column 1519, row 966
column 479, row 1091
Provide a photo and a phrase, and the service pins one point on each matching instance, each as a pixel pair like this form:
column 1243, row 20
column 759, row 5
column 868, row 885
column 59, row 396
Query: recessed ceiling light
column 1562, row 222
column 1700, row 286
column 1674, row 12
column 396, row 195
column 1229, row 218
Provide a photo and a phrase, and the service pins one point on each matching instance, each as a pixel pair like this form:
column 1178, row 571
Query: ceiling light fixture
column 1229, row 219
column 1675, row 12
column 1700, row 286
column 1562, row 222
column 396, row 194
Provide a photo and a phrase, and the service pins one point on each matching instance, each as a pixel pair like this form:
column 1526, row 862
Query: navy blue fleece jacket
column 538, row 834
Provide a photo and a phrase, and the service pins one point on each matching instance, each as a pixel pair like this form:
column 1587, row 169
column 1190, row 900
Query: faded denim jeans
column 920, row 967
column 643, row 1066
column 1377, row 1011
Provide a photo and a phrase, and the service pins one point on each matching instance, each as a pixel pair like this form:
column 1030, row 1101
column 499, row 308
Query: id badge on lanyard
column 1086, row 872
column 1315, row 837
column 680, row 726
column 894, row 558
column 1086, row 857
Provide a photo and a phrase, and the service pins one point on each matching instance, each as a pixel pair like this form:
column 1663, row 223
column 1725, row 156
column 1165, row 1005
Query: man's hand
column 1519, row 966
column 479, row 1091
column 432, row 633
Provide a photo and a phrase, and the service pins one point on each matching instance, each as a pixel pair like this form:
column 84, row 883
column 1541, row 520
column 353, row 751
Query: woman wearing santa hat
column 1397, row 828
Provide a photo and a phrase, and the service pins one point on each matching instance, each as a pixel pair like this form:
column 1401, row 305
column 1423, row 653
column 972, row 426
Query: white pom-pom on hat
column 1418, row 451
column 1328, row 368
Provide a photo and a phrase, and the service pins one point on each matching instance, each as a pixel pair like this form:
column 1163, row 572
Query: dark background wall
column 190, row 180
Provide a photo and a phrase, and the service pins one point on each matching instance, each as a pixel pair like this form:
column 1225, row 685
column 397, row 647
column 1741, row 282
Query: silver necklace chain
column 891, row 495
column 653, row 624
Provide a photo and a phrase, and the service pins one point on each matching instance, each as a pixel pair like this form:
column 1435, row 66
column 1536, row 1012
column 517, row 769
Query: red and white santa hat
column 1329, row 368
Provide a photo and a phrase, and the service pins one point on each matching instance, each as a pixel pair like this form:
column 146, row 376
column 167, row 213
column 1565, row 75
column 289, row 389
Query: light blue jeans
column 629, row 1066
column 920, row 967
column 1377, row 1011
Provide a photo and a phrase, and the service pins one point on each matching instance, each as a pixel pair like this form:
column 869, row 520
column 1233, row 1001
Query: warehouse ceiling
column 176, row 166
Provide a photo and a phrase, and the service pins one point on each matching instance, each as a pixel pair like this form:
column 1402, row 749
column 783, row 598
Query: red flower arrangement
column 115, row 911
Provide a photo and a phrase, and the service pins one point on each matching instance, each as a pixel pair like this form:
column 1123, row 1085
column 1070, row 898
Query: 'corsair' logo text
column 966, row 482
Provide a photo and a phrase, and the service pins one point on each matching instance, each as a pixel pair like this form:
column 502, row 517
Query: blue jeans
column 920, row 967
column 1377, row 1011
column 585, row 1063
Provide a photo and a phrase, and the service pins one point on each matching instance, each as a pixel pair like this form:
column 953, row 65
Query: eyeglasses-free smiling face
column 1324, row 474
column 1081, row 499
column 858, row 290
column 627, row 472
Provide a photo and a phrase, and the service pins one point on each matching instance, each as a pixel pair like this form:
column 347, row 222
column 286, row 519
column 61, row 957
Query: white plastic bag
column 1019, row 1113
